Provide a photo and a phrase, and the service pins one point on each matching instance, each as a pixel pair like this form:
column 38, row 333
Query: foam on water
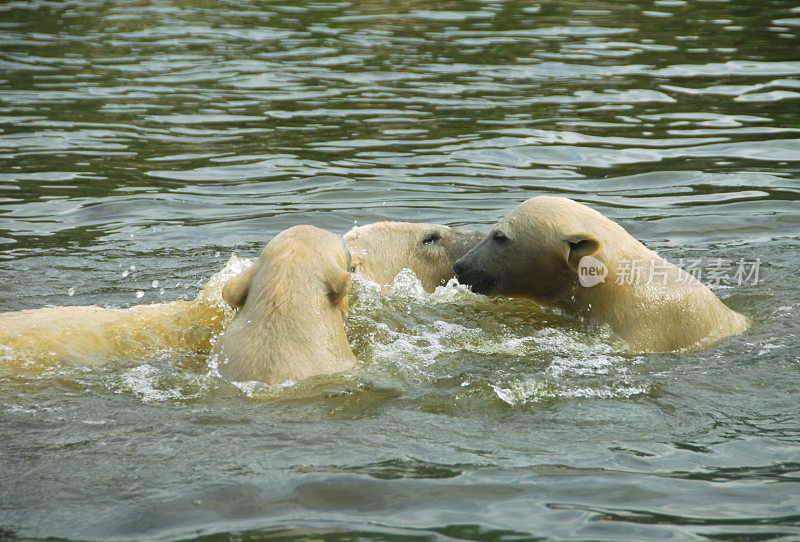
column 413, row 331
column 255, row 389
column 144, row 380
column 155, row 382
column 519, row 392
column 212, row 291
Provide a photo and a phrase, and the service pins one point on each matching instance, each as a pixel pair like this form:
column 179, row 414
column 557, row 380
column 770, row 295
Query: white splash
column 406, row 285
column 212, row 291
column 601, row 364
column 254, row 388
column 141, row 381
column 545, row 360
column 523, row 391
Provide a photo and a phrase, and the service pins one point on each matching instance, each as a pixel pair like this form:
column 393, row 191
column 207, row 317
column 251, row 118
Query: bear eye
column 499, row 237
column 431, row 238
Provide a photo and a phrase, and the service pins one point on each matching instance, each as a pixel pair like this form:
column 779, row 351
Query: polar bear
column 383, row 249
column 292, row 303
column 38, row 338
column 538, row 249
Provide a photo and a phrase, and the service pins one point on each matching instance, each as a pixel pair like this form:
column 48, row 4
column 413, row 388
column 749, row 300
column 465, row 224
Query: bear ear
column 580, row 245
column 235, row 290
column 337, row 281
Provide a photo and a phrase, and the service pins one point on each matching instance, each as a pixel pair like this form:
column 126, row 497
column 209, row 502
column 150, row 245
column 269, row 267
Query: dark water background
column 152, row 139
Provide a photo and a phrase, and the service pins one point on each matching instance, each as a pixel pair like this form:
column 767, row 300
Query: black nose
column 458, row 267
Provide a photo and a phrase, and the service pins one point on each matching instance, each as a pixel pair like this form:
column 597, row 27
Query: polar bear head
column 292, row 303
column 303, row 258
column 381, row 250
column 536, row 249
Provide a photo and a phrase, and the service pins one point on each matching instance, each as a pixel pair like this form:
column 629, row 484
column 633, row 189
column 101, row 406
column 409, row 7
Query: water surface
column 143, row 142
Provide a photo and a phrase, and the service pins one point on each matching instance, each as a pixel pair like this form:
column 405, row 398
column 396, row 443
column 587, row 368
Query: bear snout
column 478, row 281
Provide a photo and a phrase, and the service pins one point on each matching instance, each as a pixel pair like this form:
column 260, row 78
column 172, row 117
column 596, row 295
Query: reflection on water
column 142, row 142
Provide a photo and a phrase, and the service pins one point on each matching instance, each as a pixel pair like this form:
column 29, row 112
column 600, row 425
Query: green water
column 143, row 142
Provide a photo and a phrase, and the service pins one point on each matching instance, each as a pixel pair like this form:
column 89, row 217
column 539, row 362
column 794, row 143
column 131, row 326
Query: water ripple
column 143, row 142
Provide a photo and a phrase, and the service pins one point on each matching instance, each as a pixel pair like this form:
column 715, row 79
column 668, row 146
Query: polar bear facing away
column 535, row 251
column 292, row 303
column 383, row 249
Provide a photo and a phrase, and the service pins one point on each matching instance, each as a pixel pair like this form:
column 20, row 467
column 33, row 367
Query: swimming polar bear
column 90, row 334
column 538, row 249
column 292, row 303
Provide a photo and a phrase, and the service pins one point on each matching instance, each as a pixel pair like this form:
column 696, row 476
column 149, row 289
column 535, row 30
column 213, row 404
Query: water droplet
column 216, row 254
column 71, row 291
column 155, row 284
column 125, row 273
column 139, row 294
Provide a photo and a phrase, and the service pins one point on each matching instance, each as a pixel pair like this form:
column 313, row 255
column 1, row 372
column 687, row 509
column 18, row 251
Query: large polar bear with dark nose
column 538, row 249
